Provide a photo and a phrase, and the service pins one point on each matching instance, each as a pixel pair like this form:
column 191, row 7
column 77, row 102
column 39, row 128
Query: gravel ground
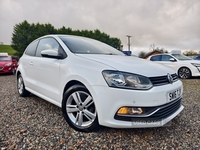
column 33, row 123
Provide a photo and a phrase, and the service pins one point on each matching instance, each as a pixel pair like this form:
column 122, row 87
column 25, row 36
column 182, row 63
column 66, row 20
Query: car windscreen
column 88, row 46
column 5, row 59
column 197, row 58
column 181, row 57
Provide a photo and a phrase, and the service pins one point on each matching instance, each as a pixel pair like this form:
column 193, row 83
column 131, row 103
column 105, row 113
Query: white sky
column 170, row 24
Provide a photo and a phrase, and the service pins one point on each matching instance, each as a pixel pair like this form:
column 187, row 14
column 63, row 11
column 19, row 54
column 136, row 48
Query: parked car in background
column 7, row 64
column 95, row 84
column 184, row 66
column 197, row 58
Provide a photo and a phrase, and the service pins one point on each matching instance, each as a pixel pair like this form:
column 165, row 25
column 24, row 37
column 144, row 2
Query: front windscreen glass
column 181, row 57
column 82, row 45
column 5, row 59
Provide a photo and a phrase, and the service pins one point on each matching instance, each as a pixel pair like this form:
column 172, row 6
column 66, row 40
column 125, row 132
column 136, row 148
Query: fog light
column 130, row 111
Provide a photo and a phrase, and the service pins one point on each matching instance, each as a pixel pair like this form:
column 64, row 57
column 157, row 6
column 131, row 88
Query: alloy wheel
column 80, row 109
column 20, row 85
column 184, row 73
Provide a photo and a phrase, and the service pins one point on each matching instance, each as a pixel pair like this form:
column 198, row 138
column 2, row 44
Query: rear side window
column 31, row 49
column 155, row 58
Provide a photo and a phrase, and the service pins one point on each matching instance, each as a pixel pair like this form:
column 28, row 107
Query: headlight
column 119, row 79
column 196, row 65
column 9, row 64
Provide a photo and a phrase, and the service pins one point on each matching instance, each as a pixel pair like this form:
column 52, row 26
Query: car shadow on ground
column 7, row 74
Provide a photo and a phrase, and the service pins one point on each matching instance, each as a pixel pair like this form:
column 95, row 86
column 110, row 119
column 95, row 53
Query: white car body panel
column 116, row 98
column 47, row 79
column 130, row 64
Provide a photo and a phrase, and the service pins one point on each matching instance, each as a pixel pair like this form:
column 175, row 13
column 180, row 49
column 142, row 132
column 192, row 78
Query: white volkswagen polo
column 95, row 84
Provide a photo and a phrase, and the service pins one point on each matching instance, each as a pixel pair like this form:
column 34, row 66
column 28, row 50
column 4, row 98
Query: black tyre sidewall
column 94, row 126
column 13, row 71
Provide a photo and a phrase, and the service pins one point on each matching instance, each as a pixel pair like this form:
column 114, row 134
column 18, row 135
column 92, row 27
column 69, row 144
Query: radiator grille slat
column 162, row 80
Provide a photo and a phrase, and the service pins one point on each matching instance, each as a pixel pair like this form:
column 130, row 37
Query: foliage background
column 24, row 33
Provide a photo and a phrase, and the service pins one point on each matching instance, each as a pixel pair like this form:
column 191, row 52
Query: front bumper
column 5, row 70
column 109, row 100
column 196, row 71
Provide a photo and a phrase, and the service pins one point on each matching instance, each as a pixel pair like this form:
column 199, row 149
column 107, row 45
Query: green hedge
column 7, row 49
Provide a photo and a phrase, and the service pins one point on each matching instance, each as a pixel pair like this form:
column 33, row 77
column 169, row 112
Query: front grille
column 175, row 77
column 163, row 112
column 162, row 80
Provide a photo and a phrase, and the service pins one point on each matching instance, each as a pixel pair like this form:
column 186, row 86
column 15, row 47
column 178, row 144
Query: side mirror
column 172, row 59
column 50, row 53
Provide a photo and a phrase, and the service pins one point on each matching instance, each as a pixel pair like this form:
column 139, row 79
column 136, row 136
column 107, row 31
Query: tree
column 152, row 47
column 190, row 53
column 141, row 54
column 24, row 33
column 21, row 36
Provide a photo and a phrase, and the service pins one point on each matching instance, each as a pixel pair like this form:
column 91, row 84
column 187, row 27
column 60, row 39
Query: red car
column 7, row 64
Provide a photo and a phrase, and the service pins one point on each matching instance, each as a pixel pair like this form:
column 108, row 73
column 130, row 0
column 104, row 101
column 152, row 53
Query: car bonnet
column 130, row 64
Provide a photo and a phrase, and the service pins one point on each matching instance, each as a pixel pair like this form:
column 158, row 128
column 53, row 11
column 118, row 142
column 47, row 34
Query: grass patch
column 7, row 49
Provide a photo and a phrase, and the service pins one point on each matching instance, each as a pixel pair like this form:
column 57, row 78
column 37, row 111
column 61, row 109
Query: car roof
column 160, row 54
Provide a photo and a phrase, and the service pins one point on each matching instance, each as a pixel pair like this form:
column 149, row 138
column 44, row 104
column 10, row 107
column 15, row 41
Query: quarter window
column 31, row 49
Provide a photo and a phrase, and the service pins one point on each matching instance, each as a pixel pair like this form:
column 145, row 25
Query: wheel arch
column 76, row 82
column 18, row 73
column 70, row 84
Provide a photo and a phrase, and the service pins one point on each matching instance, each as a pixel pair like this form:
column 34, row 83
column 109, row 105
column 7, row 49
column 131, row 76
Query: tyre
column 13, row 71
column 21, row 88
column 184, row 73
column 79, row 109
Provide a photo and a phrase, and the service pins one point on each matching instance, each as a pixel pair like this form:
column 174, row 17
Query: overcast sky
column 170, row 24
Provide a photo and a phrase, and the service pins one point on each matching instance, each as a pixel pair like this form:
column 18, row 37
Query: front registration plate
column 172, row 95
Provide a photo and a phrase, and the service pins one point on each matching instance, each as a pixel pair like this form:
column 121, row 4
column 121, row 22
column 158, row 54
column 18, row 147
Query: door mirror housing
column 172, row 59
column 50, row 53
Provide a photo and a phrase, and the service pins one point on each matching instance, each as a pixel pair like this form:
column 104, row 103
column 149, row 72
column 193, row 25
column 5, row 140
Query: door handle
column 31, row 63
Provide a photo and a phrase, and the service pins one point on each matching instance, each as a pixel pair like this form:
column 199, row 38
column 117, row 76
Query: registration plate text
column 174, row 94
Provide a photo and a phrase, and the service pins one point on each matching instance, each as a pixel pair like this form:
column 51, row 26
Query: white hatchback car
column 95, row 84
column 183, row 65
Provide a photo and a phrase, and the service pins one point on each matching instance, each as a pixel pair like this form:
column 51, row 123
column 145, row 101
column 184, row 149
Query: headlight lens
column 9, row 64
column 196, row 65
column 126, row 80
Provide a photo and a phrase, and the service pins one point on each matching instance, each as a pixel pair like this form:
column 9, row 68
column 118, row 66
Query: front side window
column 155, row 58
column 47, row 44
column 166, row 57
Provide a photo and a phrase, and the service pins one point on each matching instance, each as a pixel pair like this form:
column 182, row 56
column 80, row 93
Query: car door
column 47, row 71
column 167, row 61
column 27, row 65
